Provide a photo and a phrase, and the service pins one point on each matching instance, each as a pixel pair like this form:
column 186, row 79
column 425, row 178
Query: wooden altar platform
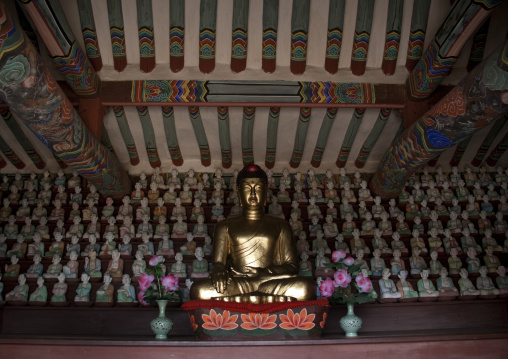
column 457, row 329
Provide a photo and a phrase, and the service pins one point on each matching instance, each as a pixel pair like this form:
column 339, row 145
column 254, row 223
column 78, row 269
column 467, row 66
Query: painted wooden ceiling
column 243, row 37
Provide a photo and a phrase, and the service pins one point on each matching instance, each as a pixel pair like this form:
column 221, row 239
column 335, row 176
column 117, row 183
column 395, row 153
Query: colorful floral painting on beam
column 146, row 35
column 271, row 136
column 334, row 37
column 116, row 30
column 176, row 34
column 89, row 34
column 207, row 24
column 362, row 36
column 417, row 31
column 299, row 33
column 239, row 41
column 392, row 42
column 270, row 24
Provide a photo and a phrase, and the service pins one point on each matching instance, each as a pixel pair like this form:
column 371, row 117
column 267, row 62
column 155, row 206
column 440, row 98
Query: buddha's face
column 252, row 192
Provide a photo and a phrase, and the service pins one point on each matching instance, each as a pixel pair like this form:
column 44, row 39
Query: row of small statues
column 126, row 293
column 444, row 287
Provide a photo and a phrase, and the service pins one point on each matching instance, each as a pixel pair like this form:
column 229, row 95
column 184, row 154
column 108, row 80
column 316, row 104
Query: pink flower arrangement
column 342, row 289
column 153, row 285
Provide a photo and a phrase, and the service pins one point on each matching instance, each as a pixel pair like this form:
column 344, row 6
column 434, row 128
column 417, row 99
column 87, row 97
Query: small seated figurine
column 61, row 195
column 435, row 243
column 315, row 192
column 396, row 263
column 217, row 193
column 6, row 210
column 348, row 226
column 190, row 179
column 108, row 246
column 127, row 228
column 174, row 179
column 200, row 194
column 489, row 241
column 45, row 194
column 398, row 244
column 357, row 180
column 106, row 291
column 401, row 226
column 170, row 196
column 178, row 209
column 331, row 193
column 23, row 211
column 285, row 179
column 465, row 285
column 11, row 229
column 108, row 210
column 296, row 224
column 416, row 262
column 330, row 228
column 19, row 248
column 3, row 246
column 434, row 264
column 417, row 241
column 380, row 243
column 472, row 207
column 454, row 262
column 125, row 209
column 14, row 196
column 462, row 192
column 418, row 193
column 126, row 293
column 199, row 265
column 190, row 246
column 125, row 248
column 74, row 181
column 59, row 290
column 282, row 194
column 92, row 245
column 94, row 227
column 54, row 269
column 377, row 264
column 412, row 208
column 385, row 226
column 348, row 193
column 40, row 294
column 387, row 288
column 450, row 242
column 83, row 289
column 144, row 210
column 76, row 229
column 502, row 280
column 361, row 262
column 343, row 177
column 485, row 284
column 75, row 212
column 42, row 228
column 179, row 269
column 180, row 229
column 115, row 265
column 12, row 270
column 320, row 242
column 274, row 209
column 368, row 225
column 197, row 210
column 313, row 209
column 491, row 261
column 454, row 224
column 74, row 246
column 404, row 287
column 165, row 246
column 425, row 286
column 299, row 195
column 137, row 194
column 146, row 247
column 70, row 270
column 432, row 192
column 77, row 196
column 138, row 265
column 473, row 262
column 456, row 207
column 393, row 209
column 145, row 227
column 500, row 225
column 200, row 229
column 60, row 179
column 358, row 243
column 445, row 285
column 93, row 265
column 305, row 267
column 466, row 222
column 468, row 241
column 36, row 247
column 314, row 226
column 330, row 210
column 93, row 195
column 364, row 193
column 484, row 223
column 340, row 245
column 20, row 292
column 36, row 269
column 322, row 263
column 208, row 247
column 302, row 245
column 185, row 194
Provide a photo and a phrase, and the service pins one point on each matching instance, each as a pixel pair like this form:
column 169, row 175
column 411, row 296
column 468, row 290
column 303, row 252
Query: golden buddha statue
column 254, row 255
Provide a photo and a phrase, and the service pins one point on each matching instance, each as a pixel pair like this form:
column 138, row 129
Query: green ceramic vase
column 350, row 323
column 161, row 325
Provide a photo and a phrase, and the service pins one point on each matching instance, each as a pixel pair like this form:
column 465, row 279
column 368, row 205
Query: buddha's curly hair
column 251, row 171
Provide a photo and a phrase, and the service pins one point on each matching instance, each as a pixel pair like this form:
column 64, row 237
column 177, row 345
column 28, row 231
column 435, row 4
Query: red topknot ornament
column 252, row 168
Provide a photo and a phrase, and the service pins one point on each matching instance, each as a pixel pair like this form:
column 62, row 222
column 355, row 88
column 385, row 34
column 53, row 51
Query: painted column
column 240, row 27
column 125, row 131
column 417, row 31
column 247, row 135
column 52, row 117
column 500, row 149
column 324, row 132
column 334, row 37
column 89, row 34
column 464, row 18
column 271, row 136
column 146, row 35
column 224, row 138
column 374, row 134
column 207, row 25
column 149, row 136
column 117, row 34
column 171, row 138
column 20, row 136
column 362, row 36
column 176, row 34
column 480, row 98
column 301, row 135
column 487, row 142
column 299, row 35
column 392, row 42
column 270, row 24
column 349, row 138
column 199, row 131
column 68, row 57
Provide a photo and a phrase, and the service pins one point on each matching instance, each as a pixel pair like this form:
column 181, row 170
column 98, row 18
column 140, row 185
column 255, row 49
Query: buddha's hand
column 220, row 279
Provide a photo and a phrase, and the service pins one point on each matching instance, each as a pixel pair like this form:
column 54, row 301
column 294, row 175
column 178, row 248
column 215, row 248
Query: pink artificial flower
column 170, row 282
column 349, row 261
column 145, row 281
column 326, row 288
column 341, row 278
column 154, row 261
column 338, row 255
column 363, row 283
column 141, row 298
